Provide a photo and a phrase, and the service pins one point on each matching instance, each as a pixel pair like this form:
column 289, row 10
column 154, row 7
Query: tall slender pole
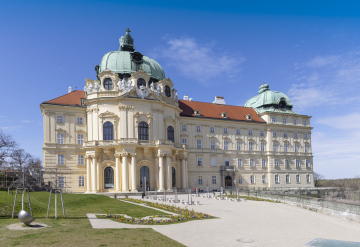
column 55, row 204
column 29, row 202
column 47, row 215
column 62, row 202
column 22, row 201
column 13, row 212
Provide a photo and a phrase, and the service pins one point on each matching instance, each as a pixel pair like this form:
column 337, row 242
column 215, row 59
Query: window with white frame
column 238, row 131
column 264, row 179
column 298, row 178
column 200, row 180
column 213, row 161
column 307, row 162
column 213, row 179
column 80, row 139
column 294, row 121
column 308, row 178
column 60, row 138
column 263, row 162
column 304, row 122
column 79, row 120
column 296, row 147
column 198, row 128
column 183, row 127
column 199, row 161
column 277, row 179
column 59, row 119
column 275, row 147
column 250, row 146
column 225, row 130
column 226, row 145
column 252, row 163
column 284, row 120
column 240, row 180
column 262, row 146
column 212, row 144
column 297, row 162
column 61, row 182
column 61, row 159
column 276, row 162
column 273, row 119
column 286, row 147
column 198, row 143
column 250, row 132
column 295, row 135
column 80, row 159
column 305, row 135
column 287, row 163
column 261, row 133
column 212, row 129
column 184, row 141
column 274, row 133
column 81, row 181
column 239, row 161
column 238, row 145
column 306, row 148
column 227, row 162
column 285, row 134
column 252, row 179
column 287, row 178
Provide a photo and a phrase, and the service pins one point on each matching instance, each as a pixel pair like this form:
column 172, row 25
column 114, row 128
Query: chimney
column 219, row 100
column 191, row 99
column 69, row 89
column 186, row 97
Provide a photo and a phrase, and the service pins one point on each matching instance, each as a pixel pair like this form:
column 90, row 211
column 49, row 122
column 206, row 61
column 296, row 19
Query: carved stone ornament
column 142, row 92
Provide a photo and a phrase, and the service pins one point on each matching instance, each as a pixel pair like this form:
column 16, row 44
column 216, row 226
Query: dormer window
column 197, row 112
column 248, row 117
column 224, row 115
column 141, row 82
column 167, row 91
column 108, row 84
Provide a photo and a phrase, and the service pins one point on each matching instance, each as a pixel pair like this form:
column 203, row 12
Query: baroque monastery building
column 129, row 124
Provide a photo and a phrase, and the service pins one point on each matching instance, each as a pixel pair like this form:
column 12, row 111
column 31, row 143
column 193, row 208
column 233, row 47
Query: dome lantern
column 126, row 42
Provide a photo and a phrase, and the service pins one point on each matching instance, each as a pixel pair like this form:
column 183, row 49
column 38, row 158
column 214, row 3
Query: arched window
column 141, row 82
column 167, row 91
column 144, row 172
column 170, row 134
column 108, row 84
column 108, row 178
column 108, row 131
column 143, row 131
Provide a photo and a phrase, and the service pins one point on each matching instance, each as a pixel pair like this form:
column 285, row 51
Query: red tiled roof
column 210, row 110
column 71, row 99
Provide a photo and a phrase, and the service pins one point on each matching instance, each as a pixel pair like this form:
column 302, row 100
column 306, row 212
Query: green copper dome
column 268, row 100
column 127, row 61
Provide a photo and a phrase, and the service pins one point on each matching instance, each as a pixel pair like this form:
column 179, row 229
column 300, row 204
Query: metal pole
column 62, row 202
column 47, row 215
column 22, row 201
column 55, row 204
column 29, row 202
column 13, row 212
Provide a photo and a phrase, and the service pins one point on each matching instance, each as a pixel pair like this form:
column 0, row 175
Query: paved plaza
column 250, row 223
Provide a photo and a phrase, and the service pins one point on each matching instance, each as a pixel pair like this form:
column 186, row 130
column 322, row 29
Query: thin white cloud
column 200, row 60
column 26, row 121
column 321, row 61
column 346, row 122
column 12, row 128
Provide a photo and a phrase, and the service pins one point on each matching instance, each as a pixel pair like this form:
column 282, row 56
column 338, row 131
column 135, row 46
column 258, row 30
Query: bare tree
column 20, row 159
column 34, row 166
column 317, row 178
column 6, row 146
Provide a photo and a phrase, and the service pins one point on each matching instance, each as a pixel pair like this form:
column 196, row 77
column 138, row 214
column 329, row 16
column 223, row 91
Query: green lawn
column 75, row 229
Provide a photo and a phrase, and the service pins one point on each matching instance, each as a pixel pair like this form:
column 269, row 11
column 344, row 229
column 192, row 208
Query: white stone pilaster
column 93, row 174
column 161, row 172
column 125, row 184
column 168, row 173
column 88, row 174
column 133, row 172
column 183, row 169
column 117, row 172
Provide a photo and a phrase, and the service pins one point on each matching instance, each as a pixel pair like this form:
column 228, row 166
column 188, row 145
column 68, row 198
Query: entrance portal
column 228, row 181
column 108, row 178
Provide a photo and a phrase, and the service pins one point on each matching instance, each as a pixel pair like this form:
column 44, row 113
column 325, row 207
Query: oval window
column 141, row 82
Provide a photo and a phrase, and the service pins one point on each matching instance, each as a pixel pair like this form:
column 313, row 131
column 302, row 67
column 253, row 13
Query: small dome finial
column 264, row 87
column 127, row 42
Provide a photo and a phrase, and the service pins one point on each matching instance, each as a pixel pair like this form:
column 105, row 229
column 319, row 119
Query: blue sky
column 309, row 50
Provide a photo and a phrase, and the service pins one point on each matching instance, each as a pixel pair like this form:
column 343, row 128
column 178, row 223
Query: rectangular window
column 307, row 162
column 295, row 135
column 81, row 181
column 59, row 119
column 274, row 133
column 60, row 159
column 275, row 147
column 240, row 180
column 252, row 163
column 276, row 162
column 225, row 130
column 287, row 163
column 285, row 147
column 61, row 182
column 273, row 119
column 212, row 144
column 252, row 179
column 80, row 159
column 261, row 133
column 308, row 178
column 306, row 148
column 184, row 141
column 250, row 132
column 183, row 127
column 263, row 162
column 79, row 120
column 80, row 139
column 238, row 145
column 200, row 181
column 277, row 179
column 212, row 130
column 287, row 178
column 284, row 120
column 298, row 178
column 305, row 136
column 262, row 146
column 227, row 162
column 199, row 161
column 285, row 134
column 296, row 148
column 198, row 143
column 213, row 161
column 60, row 138
column 226, row 145
column 250, row 146
column 297, row 163
column 294, row 121
column 198, row 128
column 213, row 179
column 264, row 179
column 304, row 122
column 238, row 131
column 239, row 162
